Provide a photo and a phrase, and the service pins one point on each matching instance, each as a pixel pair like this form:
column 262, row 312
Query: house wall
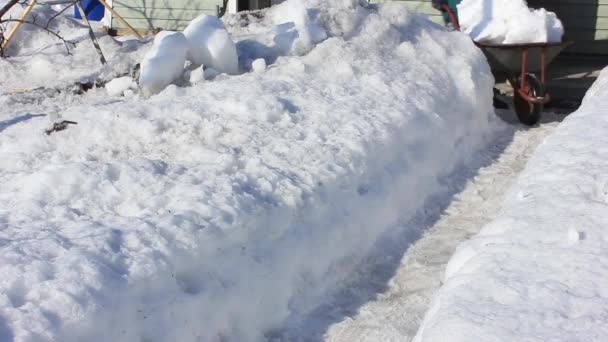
column 585, row 21
column 165, row 14
column 174, row 14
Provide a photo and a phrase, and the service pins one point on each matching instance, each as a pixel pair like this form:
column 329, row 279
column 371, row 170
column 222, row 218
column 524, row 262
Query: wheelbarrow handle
column 453, row 16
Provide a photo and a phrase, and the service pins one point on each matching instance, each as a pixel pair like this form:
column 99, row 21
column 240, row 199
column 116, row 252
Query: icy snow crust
column 214, row 212
column 540, row 271
column 508, row 22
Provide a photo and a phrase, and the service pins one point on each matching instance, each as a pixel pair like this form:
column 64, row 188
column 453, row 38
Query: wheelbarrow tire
column 529, row 113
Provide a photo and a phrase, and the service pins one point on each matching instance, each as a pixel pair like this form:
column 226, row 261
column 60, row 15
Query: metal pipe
column 524, row 67
column 453, row 16
column 543, row 64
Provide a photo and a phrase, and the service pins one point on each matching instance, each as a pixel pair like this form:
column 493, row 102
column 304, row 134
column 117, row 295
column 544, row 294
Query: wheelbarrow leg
column 524, row 68
column 527, row 92
column 543, row 64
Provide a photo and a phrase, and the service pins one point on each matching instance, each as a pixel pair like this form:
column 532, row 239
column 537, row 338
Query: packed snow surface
column 215, row 212
column 164, row 62
column 539, row 272
column 508, row 22
column 211, row 45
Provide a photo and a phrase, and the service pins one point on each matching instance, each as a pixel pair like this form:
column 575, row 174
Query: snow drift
column 508, row 22
column 214, row 212
column 539, row 272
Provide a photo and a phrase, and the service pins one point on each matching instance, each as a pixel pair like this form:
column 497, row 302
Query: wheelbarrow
column 520, row 64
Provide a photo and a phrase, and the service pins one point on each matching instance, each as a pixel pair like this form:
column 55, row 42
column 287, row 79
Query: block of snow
column 211, row 45
column 197, row 75
column 508, row 22
column 164, row 62
column 297, row 29
column 259, row 65
column 118, row 85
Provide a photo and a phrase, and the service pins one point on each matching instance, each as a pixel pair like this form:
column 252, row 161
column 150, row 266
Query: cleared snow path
column 388, row 303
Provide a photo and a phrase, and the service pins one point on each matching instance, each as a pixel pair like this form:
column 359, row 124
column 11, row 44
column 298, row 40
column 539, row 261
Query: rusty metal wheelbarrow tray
column 508, row 58
column 520, row 63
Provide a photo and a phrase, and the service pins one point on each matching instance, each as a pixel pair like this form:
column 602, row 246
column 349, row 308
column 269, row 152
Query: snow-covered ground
column 222, row 209
column 539, row 271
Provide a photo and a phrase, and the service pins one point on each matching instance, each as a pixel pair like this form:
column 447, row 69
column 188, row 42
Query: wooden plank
column 125, row 31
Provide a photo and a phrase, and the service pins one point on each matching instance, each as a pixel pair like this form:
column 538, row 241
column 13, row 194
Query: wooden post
column 11, row 34
column 122, row 20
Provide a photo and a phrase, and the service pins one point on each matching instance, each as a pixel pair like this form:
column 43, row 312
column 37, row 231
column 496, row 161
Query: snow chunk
column 118, row 85
column 508, row 22
column 164, row 63
column 297, row 30
column 211, row 45
column 259, row 65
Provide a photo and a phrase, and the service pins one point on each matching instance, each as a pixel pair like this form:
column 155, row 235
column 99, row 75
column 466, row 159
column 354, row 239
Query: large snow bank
column 216, row 211
column 508, row 22
column 540, row 271
column 164, row 62
column 211, row 45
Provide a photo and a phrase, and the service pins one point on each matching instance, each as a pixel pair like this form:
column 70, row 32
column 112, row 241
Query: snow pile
column 508, row 22
column 164, row 62
column 540, row 271
column 217, row 212
column 211, row 45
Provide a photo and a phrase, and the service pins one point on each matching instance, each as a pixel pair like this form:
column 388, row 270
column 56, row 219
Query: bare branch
column 35, row 22
column 7, row 7
column 67, row 43
column 70, row 5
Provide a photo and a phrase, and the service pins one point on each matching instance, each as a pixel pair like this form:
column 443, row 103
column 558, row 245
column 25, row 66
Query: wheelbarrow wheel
column 529, row 113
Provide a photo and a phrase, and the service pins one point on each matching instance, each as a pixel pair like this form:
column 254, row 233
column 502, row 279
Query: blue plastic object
column 92, row 8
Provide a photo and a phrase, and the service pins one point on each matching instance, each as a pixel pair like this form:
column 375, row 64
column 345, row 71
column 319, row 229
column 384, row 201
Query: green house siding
column 585, row 21
column 165, row 14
